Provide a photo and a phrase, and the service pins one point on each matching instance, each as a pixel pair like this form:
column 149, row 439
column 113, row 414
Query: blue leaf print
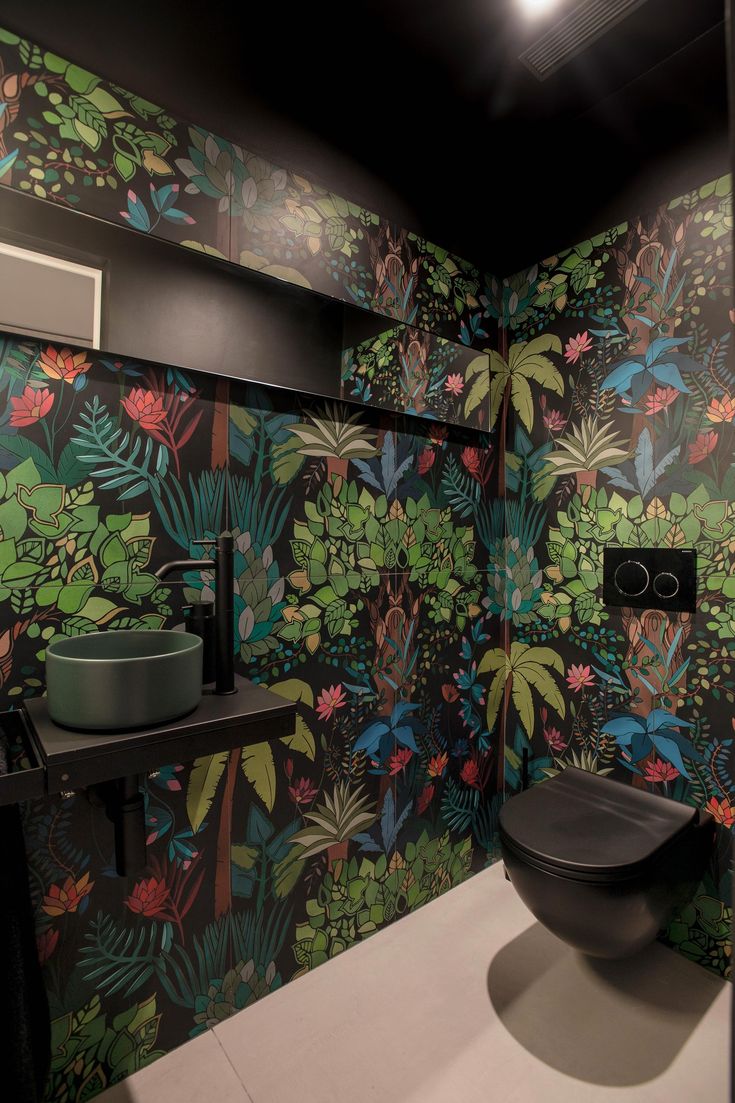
column 644, row 462
column 621, row 377
column 669, row 751
column 669, row 374
column 164, row 197
column 6, row 162
column 136, row 213
column 663, row 344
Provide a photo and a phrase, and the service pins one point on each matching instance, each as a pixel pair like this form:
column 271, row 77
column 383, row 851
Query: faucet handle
column 205, row 542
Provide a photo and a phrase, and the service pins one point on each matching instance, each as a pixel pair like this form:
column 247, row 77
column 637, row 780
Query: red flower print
column 704, row 443
column 472, row 460
column 454, row 384
column 145, row 407
column 554, row 739
column 658, row 771
column 575, row 346
column 399, row 760
column 438, row 764
column 721, row 410
column 554, row 421
column 426, row 460
column 552, row 736
column 149, row 897
column 449, row 692
column 67, row 897
column 166, row 413
column 302, row 791
column 329, row 700
column 438, row 434
column 722, row 810
column 424, row 799
column 171, row 890
column 478, row 461
column 46, row 944
column 63, row 364
column 470, row 773
column 579, row 676
column 31, row 406
column 660, row 399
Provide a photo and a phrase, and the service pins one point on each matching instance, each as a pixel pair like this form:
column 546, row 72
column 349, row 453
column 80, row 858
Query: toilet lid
column 585, row 823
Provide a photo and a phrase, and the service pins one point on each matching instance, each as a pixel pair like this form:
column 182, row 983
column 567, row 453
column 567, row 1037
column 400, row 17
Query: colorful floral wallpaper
column 409, row 369
column 361, row 593
column 619, row 428
column 69, row 137
column 429, row 594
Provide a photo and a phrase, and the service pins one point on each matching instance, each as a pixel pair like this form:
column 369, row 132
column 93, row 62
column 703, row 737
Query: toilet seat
column 590, row 828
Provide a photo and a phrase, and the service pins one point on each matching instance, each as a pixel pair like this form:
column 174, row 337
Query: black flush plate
column 650, row 578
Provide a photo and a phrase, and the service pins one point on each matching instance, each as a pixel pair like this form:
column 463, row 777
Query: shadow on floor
column 613, row 1023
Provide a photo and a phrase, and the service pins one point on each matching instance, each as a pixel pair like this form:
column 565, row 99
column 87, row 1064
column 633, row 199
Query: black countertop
column 74, row 759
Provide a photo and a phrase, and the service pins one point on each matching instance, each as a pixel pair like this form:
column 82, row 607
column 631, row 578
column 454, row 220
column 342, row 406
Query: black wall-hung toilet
column 600, row 864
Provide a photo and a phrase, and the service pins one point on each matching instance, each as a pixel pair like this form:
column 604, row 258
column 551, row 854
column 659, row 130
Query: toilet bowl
column 602, row 865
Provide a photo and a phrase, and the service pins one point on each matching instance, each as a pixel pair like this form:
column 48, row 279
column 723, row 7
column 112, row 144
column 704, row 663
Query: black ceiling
column 429, row 97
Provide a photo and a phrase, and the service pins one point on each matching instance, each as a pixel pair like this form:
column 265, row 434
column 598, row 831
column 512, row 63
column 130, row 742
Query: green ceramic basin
column 113, row 681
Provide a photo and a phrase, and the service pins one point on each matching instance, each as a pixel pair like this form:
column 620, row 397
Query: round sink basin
column 113, row 681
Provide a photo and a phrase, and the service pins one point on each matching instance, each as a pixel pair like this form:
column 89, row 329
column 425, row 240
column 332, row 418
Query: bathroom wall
column 398, row 656
column 620, row 430
column 200, row 73
column 361, row 574
column 362, row 595
column 76, row 140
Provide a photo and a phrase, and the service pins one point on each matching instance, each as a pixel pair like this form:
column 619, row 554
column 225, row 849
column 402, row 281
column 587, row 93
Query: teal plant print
column 634, row 447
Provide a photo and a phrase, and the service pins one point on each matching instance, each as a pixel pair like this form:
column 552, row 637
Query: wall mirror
column 167, row 304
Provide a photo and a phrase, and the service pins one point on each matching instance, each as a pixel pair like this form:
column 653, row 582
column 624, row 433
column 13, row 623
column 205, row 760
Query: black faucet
column 223, row 564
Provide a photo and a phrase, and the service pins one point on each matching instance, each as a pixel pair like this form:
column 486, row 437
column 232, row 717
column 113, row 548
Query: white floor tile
column 469, row 1000
column 197, row 1072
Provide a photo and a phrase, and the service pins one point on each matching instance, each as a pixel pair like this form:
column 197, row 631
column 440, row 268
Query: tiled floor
column 467, row 1001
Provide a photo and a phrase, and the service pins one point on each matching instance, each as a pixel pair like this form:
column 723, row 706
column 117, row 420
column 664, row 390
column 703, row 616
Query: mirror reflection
column 165, row 304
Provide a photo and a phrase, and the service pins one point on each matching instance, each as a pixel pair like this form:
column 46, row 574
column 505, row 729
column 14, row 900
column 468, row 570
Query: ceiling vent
column 574, row 33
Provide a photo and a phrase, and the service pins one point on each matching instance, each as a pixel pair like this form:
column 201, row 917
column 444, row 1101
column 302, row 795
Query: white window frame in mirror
column 47, row 260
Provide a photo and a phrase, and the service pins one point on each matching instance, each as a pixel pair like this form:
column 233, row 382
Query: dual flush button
column 650, row 578
column 632, row 579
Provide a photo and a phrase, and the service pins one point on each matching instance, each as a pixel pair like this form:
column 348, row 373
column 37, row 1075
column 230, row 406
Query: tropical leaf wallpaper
column 619, row 429
column 404, row 368
column 429, row 594
column 69, row 137
column 362, row 544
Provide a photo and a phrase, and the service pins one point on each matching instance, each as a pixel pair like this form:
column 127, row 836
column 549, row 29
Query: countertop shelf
column 76, row 759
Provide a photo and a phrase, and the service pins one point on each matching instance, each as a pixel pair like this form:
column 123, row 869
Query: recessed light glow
column 537, row 7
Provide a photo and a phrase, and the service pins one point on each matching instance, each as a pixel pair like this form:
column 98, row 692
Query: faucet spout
column 183, row 565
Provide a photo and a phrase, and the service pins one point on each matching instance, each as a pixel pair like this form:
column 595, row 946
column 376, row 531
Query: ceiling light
column 537, row 7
